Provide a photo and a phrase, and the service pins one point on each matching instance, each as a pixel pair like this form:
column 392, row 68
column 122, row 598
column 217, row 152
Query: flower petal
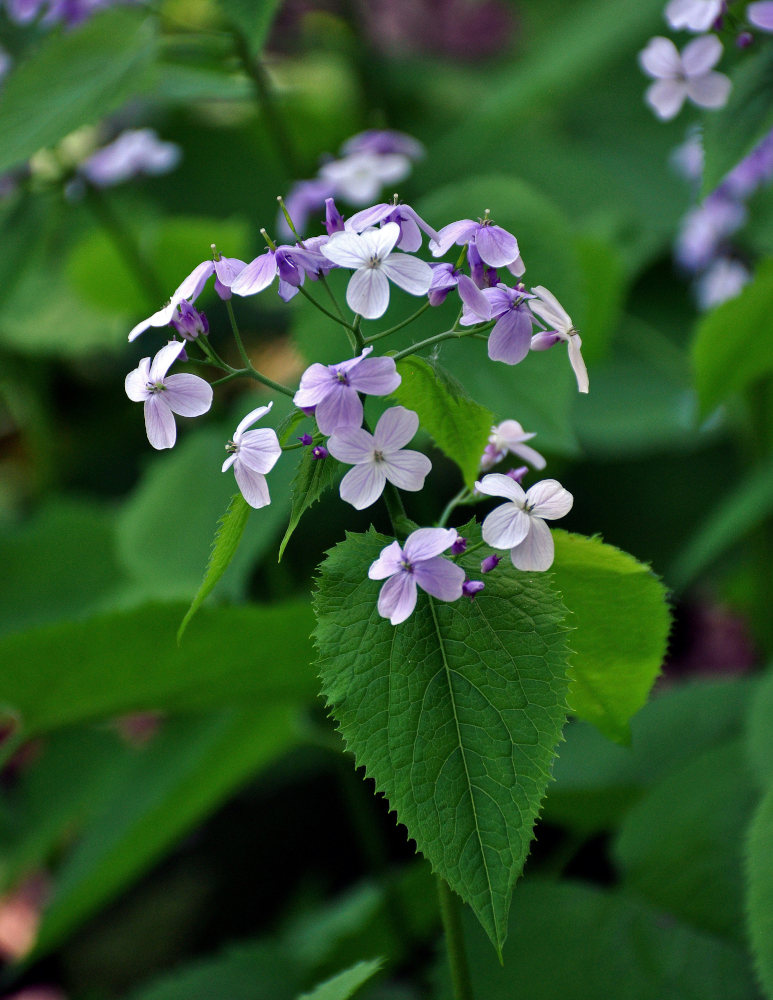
column 709, row 91
column 549, row 499
column 257, row 275
column 347, row 249
column 259, row 450
column 425, row 543
column 536, row 552
column 547, row 307
column 660, row 59
column 164, row 360
column 476, row 304
column 136, row 383
column 375, row 376
column 353, row 445
column 760, row 14
column 440, row 577
column 395, row 428
column 188, row 395
column 316, row 383
column 159, row 422
column 340, row 408
column 701, row 55
column 497, row 485
column 577, row 362
column 388, row 562
column 228, row 269
column 397, row 598
column 666, row 98
column 407, row 470
column 496, row 246
column 696, row 15
column 409, row 273
column 510, row 339
column 252, row 484
column 191, row 287
column 381, row 242
column 369, row 217
column 368, row 292
column 250, row 419
column 363, row 485
column 505, row 526
column 455, row 232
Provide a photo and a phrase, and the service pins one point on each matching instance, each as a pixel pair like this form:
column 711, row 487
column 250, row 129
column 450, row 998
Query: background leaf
column 759, row 897
column 346, row 983
column 313, row 478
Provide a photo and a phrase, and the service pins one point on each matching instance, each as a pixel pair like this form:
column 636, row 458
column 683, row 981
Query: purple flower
column 303, row 199
column 519, row 524
column 496, row 246
column 417, row 563
column 379, row 457
column 359, row 177
column 510, row 339
column 489, row 563
column 471, row 588
column 722, row 280
column 689, row 75
column 477, row 308
column 507, row 438
column 760, row 14
column 482, row 274
column 134, row 152
column 704, row 228
column 306, row 440
column 252, row 454
column 334, row 221
column 189, row 322
column 165, row 395
column 383, row 141
column 695, row 15
column 333, row 389
column 292, row 264
column 550, row 310
column 370, row 253
column 407, row 219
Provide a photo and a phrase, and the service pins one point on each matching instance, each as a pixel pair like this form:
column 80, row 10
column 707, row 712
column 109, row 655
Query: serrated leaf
column 728, row 352
column 314, row 476
column 73, row 79
column 759, row 890
column 346, row 983
column 455, row 714
column 622, row 622
column 456, row 423
column 226, row 541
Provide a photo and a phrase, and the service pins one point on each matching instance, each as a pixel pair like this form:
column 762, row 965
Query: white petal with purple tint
column 368, row 292
column 536, row 552
column 397, row 598
column 159, row 422
column 441, row 578
column 188, row 395
column 363, row 485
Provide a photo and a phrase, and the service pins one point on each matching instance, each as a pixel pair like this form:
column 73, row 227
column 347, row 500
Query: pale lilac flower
column 417, row 563
column 507, row 438
column 550, row 311
column 382, row 142
column 477, row 308
column 482, row 274
column 134, row 152
column 334, row 221
column 723, row 280
column 689, row 75
column 379, row 457
column 760, row 14
column 510, row 339
column 705, row 227
column 252, row 454
column 519, row 524
column 189, row 322
column 302, row 200
column 496, row 246
column 165, row 395
column 359, row 177
column 688, row 158
column 695, row 15
column 411, row 224
column 334, row 389
column 5, row 63
column 226, row 269
column 292, row 264
column 370, row 253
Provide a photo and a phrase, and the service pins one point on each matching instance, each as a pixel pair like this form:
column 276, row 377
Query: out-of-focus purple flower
column 688, row 158
column 744, row 39
column 252, row 454
column 517, row 475
column 722, row 280
column 705, row 227
column 165, row 395
column 519, row 524
column 416, row 564
column 490, row 563
column 496, row 246
column 5, row 63
column 23, row 11
column 753, row 171
column 382, row 142
column 189, row 322
column 508, row 438
column 407, row 219
column 380, row 457
column 688, row 75
column 359, row 178
column 471, row 588
column 370, row 254
column 303, row 199
column 135, row 152
column 551, row 312
column 760, row 14
column 695, row 15
column 334, row 389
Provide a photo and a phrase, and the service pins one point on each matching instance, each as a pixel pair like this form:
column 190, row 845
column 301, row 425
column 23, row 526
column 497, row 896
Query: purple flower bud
column 306, row 440
column 189, row 323
column 319, row 452
column 489, row 563
column 459, row 546
column 471, row 588
column 334, row 221
column 309, row 410
column 483, row 275
column 744, row 40
column 517, row 474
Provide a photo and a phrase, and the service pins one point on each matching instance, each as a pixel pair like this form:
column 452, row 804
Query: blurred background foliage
column 180, row 822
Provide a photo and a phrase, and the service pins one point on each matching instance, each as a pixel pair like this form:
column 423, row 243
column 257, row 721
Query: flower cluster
column 379, row 246
column 68, row 12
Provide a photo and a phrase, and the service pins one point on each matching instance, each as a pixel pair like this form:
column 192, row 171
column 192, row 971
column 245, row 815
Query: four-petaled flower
column 689, row 75
column 379, row 457
column 417, row 563
column 334, row 389
column 252, row 454
column 519, row 524
column 550, row 310
column 370, row 253
column 695, row 15
column 165, row 395
column 495, row 245
column 508, row 438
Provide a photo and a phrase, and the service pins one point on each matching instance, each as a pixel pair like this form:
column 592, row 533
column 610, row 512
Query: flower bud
column 490, row 562
column 471, row 588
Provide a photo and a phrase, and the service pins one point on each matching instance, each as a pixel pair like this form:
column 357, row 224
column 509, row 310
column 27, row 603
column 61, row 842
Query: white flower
column 165, row 395
column 379, row 457
column 550, row 310
column 695, row 15
column 359, row 177
column 519, row 524
column 507, row 438
column 689, row 75
column 252, row 455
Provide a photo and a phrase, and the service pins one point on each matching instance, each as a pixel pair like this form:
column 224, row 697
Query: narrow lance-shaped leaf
column 314, row 476
column 455, row 713
column 346, row 983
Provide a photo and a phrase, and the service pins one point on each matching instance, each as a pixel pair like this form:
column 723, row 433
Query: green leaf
column 252, row 19
column 759, row 732
column 60, row 675
column 313, row 477
column 74, row 78
column 458, row 425
column 163, row 790
column 759, row 890
column 732, row 132
column 728, row 352
column 229, row 533
column 346, row 983
column 622, row 621
column 692, row 868
column 454, row 714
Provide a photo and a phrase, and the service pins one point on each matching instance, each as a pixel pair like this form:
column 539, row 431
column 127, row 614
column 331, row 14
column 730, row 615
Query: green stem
column 445, row 335
column 457, row 957
column 397, row 326
column 451, row 506
column 324, row 282
column 237, row 336
column 359, row 342
column 330, row 315
column 265, row 380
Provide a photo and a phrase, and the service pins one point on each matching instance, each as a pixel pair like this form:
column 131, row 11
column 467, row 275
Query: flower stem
column 452, row 925
column 237, row 336
column 359, row 342
column 347, row 326
column 397, row 326
column 451, row 506
column 445, row 335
